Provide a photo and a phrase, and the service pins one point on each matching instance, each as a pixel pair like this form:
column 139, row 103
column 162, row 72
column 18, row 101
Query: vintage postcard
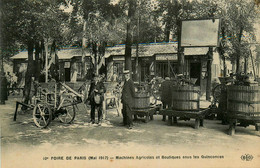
column 130, row 83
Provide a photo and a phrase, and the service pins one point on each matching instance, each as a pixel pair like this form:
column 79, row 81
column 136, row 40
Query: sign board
column 200, row 33
column 166, row 57
column 120, row 58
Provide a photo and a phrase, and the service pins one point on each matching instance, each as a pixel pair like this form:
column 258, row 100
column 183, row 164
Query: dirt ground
column 82, row 144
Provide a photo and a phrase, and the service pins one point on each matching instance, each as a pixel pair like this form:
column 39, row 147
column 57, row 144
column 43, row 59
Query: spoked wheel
column 217, row 91
column 42, row 115
column 66, row 114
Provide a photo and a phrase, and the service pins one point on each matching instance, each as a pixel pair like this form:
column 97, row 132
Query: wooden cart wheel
column 197, row 123
column 217, row 91
column 67, row 114
column 42, row 115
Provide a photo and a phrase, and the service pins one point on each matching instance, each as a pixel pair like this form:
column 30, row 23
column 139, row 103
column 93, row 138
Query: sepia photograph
column 129, row 83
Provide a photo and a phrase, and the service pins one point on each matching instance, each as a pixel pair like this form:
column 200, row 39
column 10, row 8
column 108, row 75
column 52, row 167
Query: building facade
column 154, row 59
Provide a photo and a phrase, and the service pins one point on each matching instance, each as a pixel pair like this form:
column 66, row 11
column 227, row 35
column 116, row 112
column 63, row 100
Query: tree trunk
column 137, row 73
column 167, row 32
column 222, row 52
column 128, row 44
column 245, row 64
column 83, row 71
column 46, row 59
column 29, row 72
column 225, row 66
column 128, row 49
column 238, row 70
column 37, row 61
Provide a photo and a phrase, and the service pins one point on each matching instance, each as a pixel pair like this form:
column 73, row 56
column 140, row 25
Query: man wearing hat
column 96, row 97
column 128, row 93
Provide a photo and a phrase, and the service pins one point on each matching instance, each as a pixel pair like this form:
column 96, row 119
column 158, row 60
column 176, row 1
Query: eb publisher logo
column 247, row 157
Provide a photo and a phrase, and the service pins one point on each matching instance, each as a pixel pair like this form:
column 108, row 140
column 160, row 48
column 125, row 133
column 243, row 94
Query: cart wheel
column 67, row 115
column 197, row 123
column 42, row 115
column 217, row 91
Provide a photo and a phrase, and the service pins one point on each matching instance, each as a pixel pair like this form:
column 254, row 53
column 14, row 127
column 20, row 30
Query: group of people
column 8, row 84
column 96, row 98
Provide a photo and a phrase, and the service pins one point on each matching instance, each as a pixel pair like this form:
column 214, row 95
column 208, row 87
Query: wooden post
column 180, row 60
column 209, row 76
column 180, row 50
column 252, row 59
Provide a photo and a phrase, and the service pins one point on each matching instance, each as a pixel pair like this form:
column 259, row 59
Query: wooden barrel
column 243, row 101
column 186, row 98
column 141, row 100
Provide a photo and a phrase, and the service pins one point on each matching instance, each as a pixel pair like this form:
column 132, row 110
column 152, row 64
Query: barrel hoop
column 254, row 114
column 244, row 102
column 195, row 91
column 187, row 100
column 244, row 91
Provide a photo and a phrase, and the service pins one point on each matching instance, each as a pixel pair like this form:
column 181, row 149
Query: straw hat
column 126, row 71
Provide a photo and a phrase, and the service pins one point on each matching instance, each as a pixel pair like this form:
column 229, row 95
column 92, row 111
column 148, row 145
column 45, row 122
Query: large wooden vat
column 142, row 100
column 243, row 102
column 186, row 98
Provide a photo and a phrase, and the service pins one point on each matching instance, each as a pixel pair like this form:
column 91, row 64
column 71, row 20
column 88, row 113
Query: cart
column 55, row 100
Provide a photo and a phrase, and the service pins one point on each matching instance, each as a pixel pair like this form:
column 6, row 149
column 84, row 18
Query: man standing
column 128, row 93
column 96, row 97
column 3, row 87
column 166, row 95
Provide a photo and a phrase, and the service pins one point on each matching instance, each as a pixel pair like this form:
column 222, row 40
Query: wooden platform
column 197, row 115
column 146, row 112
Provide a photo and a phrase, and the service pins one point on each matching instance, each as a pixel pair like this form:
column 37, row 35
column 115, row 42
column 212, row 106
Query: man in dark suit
column 96, row 97
column 128, row 93
column 166, row 95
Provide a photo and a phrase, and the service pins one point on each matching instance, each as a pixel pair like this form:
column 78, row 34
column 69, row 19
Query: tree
column 237, row 30
column 32, row 21
column 100, row 28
